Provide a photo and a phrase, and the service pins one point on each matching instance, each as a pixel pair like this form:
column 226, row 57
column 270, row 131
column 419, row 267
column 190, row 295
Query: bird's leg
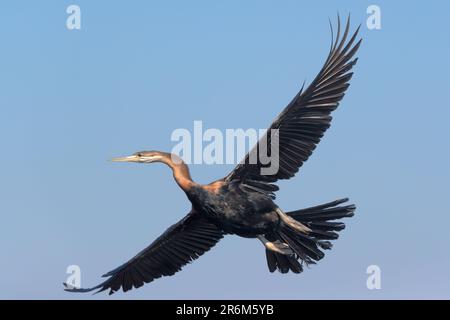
column 294, row 224
column 276, row 246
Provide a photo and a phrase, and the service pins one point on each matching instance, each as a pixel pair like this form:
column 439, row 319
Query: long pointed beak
column 126, row 159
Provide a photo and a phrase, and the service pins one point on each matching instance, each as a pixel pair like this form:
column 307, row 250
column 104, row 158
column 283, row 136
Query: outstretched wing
column 182, row 243
column 301, row 125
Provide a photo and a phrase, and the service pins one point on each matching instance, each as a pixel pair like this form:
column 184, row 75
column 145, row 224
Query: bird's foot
column 279, row 247
column 276, row 246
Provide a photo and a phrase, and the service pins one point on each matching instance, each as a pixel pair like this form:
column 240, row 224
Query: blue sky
column 137, row 70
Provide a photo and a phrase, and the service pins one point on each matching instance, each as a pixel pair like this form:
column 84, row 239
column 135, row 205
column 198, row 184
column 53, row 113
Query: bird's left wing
column 301, row 125
column 182, row 243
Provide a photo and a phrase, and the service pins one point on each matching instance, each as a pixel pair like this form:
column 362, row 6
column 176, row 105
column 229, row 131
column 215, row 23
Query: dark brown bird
column 242, row 203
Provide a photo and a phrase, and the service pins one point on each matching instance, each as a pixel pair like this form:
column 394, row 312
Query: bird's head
column 142, row 157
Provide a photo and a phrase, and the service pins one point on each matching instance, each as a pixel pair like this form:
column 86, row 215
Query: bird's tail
column 308, row 245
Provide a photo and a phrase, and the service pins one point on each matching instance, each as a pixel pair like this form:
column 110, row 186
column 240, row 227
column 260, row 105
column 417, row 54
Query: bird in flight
column 242, row 203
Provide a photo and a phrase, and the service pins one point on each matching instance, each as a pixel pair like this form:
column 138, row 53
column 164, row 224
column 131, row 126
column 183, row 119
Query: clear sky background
column 137, row 70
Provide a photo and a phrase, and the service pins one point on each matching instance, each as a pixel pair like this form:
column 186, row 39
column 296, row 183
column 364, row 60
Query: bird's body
column 242, row 203
column 236, row 211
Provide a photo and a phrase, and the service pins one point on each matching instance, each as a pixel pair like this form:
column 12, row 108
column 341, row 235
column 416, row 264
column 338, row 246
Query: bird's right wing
column 182, row 243
column 301, row 125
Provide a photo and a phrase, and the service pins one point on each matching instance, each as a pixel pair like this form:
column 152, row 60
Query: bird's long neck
column 180, row 170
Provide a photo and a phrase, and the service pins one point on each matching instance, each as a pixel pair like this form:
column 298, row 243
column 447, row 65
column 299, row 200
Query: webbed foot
column 276, row 246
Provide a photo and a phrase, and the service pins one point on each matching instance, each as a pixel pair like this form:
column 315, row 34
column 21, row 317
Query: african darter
column 242, row 202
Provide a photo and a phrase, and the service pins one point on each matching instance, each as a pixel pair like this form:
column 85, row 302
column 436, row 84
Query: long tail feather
column 308, row 246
